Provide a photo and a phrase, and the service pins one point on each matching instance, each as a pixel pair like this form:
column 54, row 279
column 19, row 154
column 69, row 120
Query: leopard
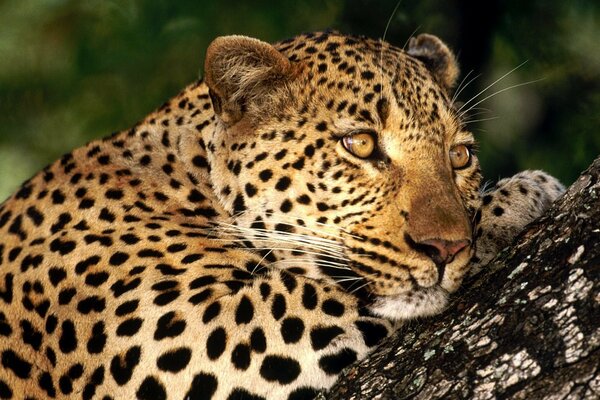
column 258, row 233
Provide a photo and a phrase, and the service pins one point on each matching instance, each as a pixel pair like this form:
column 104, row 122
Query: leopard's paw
column 507, row 207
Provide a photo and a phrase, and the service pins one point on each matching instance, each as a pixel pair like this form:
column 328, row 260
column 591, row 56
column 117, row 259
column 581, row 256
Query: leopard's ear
column 242, row 74
column 437, row 57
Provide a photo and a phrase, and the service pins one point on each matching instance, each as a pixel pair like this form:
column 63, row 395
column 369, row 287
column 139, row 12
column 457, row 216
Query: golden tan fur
column 230, row 245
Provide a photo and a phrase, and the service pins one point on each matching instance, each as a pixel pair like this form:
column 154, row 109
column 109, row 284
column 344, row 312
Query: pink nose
column 442, row 251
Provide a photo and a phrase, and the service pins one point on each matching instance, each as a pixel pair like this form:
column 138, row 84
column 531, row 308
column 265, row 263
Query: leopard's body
column 233, row 245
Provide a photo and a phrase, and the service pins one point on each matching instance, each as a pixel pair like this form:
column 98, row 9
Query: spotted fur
column 228, row 246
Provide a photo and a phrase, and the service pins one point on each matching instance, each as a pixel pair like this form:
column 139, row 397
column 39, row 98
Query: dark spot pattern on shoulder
column 278, row 308
column 292, row 329
column 244, row 312
column 203, row 387
column 174, row 360
column 215, row 344
column 333, row 307
column 169, row 326
column 240, row 356
column 122, row 367
column 279, row 369
column 151, row 389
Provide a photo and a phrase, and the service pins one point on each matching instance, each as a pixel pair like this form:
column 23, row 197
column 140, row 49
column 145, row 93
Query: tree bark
column 527, row 327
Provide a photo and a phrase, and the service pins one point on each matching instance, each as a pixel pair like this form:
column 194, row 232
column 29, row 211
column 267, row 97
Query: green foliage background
column 73, row 71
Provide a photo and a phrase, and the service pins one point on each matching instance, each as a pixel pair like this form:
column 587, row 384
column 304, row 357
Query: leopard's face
column 347, row 161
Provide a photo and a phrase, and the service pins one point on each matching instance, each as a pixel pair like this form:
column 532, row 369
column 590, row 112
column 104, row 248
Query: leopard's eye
column 360, row 144
column 460, row 156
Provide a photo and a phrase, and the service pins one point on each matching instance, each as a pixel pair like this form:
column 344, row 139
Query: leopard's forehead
column 357, row 80
column 361, row 59
column 340, row 46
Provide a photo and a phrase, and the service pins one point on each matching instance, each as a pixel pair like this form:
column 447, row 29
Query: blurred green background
column 72, row 71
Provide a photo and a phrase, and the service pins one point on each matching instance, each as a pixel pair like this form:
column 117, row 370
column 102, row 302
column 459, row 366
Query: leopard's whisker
column 285, row 217
column 299, row 236
column 295, row 240
column 308, row 260
column 461, row 87
column 326, row 246
column 389, row 21
column 382, row 42
column 498, row 92
column 291, row 249
column 288, row 236
column 489, row 86
column 472, row 121
column 343, row 231
column 485, row 187
column 479, row 111
column 339, row 256
column 317, row 264
column 322, row 264
column 259, row 262
column 314, row 262
column 353, row 291
column 410, row 36
column 343, row 278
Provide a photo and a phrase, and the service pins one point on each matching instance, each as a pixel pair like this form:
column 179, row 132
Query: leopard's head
column 349, row 152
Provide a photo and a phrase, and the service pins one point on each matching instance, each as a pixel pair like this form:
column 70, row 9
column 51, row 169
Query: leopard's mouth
column 408, row 270
column 423, row 292
column 406, row 302
column 421, row 302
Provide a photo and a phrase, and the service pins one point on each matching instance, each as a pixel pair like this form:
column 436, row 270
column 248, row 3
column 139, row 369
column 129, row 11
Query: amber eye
column 460, row 156
column 361, row 144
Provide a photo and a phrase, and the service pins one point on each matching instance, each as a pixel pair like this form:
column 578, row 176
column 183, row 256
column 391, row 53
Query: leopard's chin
column 405, row 306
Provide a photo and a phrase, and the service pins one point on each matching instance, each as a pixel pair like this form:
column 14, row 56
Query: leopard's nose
column 441, row 251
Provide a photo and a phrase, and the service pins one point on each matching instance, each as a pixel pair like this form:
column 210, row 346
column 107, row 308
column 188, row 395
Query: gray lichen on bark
column 527, row 327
